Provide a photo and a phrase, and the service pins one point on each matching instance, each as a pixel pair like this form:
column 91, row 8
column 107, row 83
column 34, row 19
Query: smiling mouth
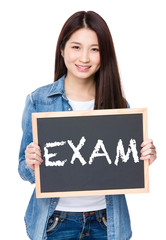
column 83, row 67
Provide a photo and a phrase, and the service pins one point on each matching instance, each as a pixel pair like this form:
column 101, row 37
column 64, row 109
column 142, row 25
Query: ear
column 62, row 53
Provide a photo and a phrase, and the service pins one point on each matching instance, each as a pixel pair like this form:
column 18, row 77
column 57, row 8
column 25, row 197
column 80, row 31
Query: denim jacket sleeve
column 25, row 171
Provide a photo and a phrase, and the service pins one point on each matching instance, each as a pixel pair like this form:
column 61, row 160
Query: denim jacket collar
column 57, row 87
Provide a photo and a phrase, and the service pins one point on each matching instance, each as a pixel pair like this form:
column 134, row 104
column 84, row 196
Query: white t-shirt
column 85, row 203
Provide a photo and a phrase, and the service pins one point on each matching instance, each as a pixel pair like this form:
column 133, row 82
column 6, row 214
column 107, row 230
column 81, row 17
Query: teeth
column 83, row 67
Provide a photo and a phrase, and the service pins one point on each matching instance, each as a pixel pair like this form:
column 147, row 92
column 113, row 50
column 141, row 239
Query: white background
column 28, row 35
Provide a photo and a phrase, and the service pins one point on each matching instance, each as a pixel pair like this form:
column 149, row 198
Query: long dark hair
column 108, row 85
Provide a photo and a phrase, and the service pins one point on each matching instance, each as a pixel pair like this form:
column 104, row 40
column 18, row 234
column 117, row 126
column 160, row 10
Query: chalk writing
column 120, row 152
column 51, row 155
column 77, row 154
column 96, row 153
column 125, row 157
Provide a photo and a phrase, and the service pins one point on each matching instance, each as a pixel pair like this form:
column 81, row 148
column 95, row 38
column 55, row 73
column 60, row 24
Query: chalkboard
column 90, row 152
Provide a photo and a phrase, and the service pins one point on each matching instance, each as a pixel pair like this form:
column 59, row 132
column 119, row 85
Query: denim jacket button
column 69, row 109
column 54, row 202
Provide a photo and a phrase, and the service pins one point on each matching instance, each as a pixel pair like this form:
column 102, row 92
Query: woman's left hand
column 148, row 151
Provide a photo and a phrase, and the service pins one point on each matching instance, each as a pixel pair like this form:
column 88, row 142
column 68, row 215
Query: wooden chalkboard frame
column 64, row 114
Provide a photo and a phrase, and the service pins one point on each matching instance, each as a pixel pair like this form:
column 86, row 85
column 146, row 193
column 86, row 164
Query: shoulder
column 43, row 94
column 40, row 95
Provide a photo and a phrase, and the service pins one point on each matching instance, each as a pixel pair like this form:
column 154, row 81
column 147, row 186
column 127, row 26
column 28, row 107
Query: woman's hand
column 148, row 151
column 33, row 155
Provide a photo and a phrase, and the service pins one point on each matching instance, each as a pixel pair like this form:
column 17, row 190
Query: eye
column 76, row 47
column 95, row 49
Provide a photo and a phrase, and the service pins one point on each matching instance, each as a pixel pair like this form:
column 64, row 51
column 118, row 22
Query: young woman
column 86, row 77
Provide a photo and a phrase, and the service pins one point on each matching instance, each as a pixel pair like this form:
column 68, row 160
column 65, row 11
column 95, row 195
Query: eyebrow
column 95, row 44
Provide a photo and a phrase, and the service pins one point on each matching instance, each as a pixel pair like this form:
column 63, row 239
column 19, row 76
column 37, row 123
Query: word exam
column 99, row 151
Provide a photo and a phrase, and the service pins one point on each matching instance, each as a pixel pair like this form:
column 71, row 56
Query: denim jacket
column 52, row 98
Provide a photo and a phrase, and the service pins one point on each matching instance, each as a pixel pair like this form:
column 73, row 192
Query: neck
column 80, row 89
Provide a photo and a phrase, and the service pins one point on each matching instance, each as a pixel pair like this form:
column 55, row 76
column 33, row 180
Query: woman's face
column 81, row 54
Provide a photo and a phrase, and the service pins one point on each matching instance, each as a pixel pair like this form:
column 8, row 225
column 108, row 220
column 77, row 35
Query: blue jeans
column 77, row 226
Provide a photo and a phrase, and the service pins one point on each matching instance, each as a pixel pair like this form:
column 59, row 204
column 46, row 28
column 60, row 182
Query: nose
column 84, row 56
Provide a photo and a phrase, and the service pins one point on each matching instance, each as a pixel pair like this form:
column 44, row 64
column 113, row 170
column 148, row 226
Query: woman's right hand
column 33, row 155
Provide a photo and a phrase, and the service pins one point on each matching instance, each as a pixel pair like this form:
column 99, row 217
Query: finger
column 149, row 154
column 144, row 143
column 33, row 145
column 147, row 146
column 33, row 148
column 32, row 153
column 149, row 151
column 33, row 156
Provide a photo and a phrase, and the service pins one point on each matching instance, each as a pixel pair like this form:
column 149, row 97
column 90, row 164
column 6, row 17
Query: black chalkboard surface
column 90, row 152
